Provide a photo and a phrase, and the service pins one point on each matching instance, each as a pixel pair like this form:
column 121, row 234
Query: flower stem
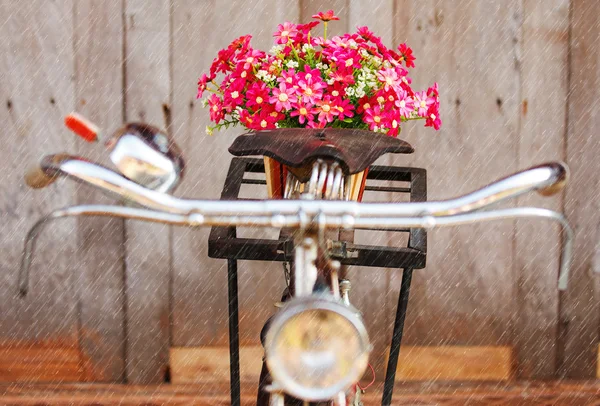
column 325, row 31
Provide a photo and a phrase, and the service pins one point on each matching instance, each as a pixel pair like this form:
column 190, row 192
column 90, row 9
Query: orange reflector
column 82, row 127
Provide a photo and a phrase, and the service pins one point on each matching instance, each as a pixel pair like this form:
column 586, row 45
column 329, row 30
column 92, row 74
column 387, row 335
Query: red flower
column 365, row 33
column 204, row 79
column 257, row 95
column 326, row 110
column 249, row 120
column 344, row 76
column 345, row 107
column 365, row 103
column 433, row 91
column 407, row 55
column 433, row 117
column 304, row 112
column 305, row 28
column 326, row 16
column 241, row 43
column 267, row 119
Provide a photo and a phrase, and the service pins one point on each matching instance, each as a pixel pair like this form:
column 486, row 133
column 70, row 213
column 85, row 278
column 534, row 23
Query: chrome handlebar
column 160, row 207
column 546, row 179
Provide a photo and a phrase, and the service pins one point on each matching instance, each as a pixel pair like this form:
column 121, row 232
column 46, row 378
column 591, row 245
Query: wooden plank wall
column 519, row 85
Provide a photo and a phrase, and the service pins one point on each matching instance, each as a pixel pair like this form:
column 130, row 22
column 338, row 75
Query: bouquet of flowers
column 351, row 81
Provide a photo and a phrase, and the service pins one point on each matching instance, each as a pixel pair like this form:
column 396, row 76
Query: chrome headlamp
column 316, row 347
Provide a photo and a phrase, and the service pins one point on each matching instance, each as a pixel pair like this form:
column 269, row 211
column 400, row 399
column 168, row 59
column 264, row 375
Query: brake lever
column 89, row 210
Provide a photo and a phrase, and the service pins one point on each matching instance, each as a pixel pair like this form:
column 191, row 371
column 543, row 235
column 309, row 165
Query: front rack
column 224, row 243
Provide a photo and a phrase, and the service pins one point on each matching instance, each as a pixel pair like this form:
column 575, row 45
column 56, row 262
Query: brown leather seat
column 354, row 149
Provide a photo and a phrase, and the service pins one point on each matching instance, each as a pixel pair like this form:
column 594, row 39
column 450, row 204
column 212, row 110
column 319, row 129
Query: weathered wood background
column 519, row 84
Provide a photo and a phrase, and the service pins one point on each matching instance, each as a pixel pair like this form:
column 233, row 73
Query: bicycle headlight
column 316, row 348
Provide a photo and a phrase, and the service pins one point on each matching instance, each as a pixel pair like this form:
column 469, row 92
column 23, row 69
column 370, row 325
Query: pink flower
column 304, row 112
column 326, row 110
column 310, row 91
column 347, row 58
column 257, row 95
column 281, row 97
column 389, row 77
column 345, row 107
column 422, row 103
column 215, row 105
column 289, row 77
column 285, row 31
column 374, row 117
column 326, row 16
column 252, row 57
column 309, row 74
column 405, row 104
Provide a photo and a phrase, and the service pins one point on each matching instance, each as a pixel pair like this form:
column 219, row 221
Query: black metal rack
column 224, row 243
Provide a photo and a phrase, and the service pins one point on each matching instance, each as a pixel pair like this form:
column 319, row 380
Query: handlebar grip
column 44, row 173
column 560, row 179
column 37, row 178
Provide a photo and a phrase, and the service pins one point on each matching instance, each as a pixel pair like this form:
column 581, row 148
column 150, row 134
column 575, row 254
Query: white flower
column 306, row 47
column 364, row 52
column 353, row 44
column 322, row 66
column 291, row 64
column 349, row 91
column 209, row 130
column 204, row 102
column 262, row 74
column 360, row 93
column 330, row 81
column 276, row 49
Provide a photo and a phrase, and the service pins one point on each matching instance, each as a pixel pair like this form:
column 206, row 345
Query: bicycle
column 316, row 345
